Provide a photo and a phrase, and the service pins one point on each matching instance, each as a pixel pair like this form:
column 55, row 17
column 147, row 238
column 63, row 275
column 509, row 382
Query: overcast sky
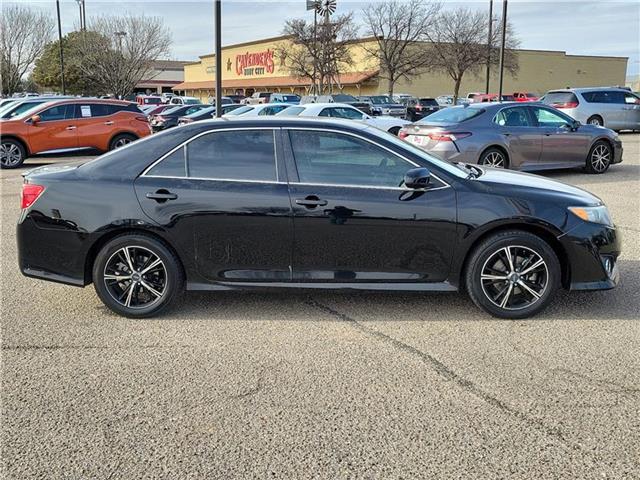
column 585, row 27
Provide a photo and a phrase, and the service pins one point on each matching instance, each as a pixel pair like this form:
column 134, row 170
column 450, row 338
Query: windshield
column 291, row 111
column 171, row 111
column 239, row 111
column 17, row 110
column 428, row 101
column 344, row 98
column 191, row 101
column 452, row 115
column 530, row 95
column 381, row 99
column 444, row 165
column 202, row 111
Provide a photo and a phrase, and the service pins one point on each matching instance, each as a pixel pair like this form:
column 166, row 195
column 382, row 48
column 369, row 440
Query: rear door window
column 233, row 155
column 513, row 117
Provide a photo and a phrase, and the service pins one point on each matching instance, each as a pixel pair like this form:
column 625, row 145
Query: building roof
column 168, row 64
column 288, row 81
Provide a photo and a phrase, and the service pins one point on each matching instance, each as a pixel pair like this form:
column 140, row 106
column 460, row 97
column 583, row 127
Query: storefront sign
column 255, row 63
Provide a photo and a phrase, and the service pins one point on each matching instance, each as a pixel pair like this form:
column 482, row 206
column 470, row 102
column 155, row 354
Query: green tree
column 47, row 69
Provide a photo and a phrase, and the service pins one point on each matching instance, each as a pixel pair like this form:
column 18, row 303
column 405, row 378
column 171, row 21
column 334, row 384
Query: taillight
column 30, row 193
column 418, row 107
column 566, row 105
column 448, row 136
column 402, row 134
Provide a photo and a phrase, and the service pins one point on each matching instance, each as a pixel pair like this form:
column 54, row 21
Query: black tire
column 595, row 120
column 12, row 153
column 599, row 158
column 489, row 293
column 394, row 131
column 121, row 140
column 132, row 297
column 494, row 157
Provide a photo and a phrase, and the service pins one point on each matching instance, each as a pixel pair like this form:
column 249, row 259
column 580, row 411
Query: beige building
column 254, row 66
column 161, row 77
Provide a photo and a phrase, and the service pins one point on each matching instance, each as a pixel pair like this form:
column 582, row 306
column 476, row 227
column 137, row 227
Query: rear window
column 452, row 115
column 428, row 101
column 191, row 101
column 291, row 111
column 553, row 98
column 240, row 111
column 344, row 98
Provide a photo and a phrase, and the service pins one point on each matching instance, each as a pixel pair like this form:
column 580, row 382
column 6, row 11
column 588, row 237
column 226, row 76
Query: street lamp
column 489, row 45
column 64, row 87
column 502, row 42
column 218, row 37
column 83, row 25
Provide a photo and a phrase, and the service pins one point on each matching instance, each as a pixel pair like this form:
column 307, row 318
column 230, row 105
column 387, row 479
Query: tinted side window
column 59, row 112
column 173, row 165
column 342, row 112
column 233, row 155
column 337, row 159
column 101, row 110
column 513, row 117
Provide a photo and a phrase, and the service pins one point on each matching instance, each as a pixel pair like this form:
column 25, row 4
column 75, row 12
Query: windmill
column 326, row 7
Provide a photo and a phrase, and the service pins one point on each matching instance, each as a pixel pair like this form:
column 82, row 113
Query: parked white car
column 175, row 100
column 263, row 109
column 344, row 111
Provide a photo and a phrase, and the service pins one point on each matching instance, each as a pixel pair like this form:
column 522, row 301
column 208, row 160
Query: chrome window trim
column 411, row 162
column 186, row 142
column 268, row 182
column 375, row 187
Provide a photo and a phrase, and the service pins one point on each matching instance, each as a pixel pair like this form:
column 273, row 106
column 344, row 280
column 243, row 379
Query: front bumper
column 592, row 253
column 617, row 151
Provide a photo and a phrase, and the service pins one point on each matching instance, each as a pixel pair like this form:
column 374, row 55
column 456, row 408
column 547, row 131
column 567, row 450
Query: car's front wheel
column 137, row 276
column 12, row 153
column 599, row 158
column 512, row 274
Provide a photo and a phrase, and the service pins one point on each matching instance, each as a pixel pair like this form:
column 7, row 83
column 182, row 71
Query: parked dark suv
column 418, row 108
column 348, row 99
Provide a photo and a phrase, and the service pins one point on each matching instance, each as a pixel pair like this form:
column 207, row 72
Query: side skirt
column 394, row 287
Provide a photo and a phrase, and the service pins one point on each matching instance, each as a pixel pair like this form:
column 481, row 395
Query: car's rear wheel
column 137, row 276
column 600, row 157
column 595, row 120
column 121, row 140
column 512, row 274
column 12, row 153
column 494, row 157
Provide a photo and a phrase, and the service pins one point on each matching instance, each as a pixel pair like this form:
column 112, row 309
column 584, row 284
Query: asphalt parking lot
column 324, row 385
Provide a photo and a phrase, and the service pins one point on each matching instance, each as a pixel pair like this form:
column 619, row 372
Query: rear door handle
column 311, row 201
column 108, row 123
column 71, row 127
column 161, row 195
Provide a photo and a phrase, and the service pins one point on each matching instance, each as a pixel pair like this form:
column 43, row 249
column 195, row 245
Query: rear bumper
column 592, row 252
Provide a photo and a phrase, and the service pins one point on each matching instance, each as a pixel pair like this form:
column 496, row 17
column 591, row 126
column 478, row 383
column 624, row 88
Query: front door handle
column 161, row 195
column 108, row 123
column 311, row 201
column 71, row 127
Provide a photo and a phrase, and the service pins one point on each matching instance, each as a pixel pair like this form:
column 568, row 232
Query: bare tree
column 24, row 33
column 121, row 54
column 399, row 28
column 459, row 45
column 326, row 54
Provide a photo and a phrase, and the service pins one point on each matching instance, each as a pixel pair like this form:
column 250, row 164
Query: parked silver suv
column 614, row 108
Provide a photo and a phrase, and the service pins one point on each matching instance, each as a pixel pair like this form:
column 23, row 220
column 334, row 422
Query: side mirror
column 576, row 124
column 417, row 178
column 35, row 119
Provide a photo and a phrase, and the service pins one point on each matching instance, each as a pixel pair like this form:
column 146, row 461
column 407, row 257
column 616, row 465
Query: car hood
column 525, row 184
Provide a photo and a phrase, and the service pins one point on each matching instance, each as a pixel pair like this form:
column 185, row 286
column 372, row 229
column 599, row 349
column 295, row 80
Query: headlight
column 599, row 214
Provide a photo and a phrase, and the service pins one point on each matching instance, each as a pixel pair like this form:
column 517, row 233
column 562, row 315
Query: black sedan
column 207, row 113
column 169, row 118
column 305, row 203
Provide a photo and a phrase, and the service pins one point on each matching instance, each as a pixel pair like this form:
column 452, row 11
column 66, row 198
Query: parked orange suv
column 70, row 125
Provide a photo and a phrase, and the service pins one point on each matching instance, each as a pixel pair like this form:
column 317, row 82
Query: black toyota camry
column 307, row 203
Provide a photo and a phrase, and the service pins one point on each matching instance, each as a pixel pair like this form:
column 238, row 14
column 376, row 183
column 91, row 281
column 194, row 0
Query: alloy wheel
column 494, row 159
column 595, row 121
column 600, row 158
column 121, row 142
column 514, row 277
column 135, row 277
column 10, row 154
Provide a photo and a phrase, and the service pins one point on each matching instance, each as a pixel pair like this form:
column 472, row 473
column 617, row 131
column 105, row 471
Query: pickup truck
column 257, row 98
column 525, row 97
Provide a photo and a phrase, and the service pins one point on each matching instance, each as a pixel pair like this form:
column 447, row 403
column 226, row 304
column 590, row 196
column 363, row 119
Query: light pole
column 489, row 45
column 64, row 87
column 81, row 10
column 218, row 36
column 502, row 42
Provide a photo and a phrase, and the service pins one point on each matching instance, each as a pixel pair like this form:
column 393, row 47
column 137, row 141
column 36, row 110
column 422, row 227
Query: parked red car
column 525, row 97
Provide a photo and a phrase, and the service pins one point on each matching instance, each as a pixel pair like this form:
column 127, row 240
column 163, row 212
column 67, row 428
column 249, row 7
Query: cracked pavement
column 324, row 384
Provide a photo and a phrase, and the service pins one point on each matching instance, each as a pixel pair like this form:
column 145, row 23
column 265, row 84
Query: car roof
column 589, row 89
